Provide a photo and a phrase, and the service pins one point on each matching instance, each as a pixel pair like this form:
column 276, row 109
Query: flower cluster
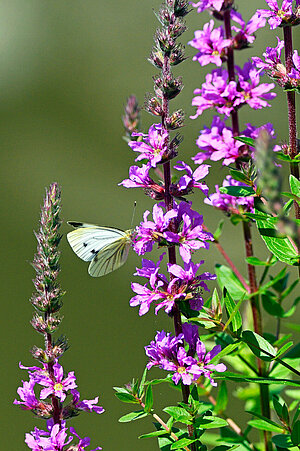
column 168, row 352
column 230, row 204
column 56, row 385
column 184, row 285
column 277, row 70
column 217, row 93
column 217, row 142
column 188, row 231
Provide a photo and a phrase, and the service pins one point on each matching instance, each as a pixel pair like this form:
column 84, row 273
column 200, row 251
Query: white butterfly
column 106, row 248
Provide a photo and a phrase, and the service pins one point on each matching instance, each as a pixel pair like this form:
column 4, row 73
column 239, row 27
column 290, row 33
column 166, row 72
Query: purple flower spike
column 163, row 347
column 277, row 16
column 211, row 45
column 154, row 145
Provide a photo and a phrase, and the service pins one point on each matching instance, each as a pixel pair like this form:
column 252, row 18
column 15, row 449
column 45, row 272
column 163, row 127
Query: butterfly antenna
column 133, row 213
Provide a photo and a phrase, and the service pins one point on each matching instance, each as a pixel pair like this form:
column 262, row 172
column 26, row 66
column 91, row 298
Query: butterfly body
column 106, row 248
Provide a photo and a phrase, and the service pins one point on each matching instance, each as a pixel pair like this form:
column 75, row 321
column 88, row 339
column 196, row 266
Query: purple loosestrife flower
column 211, row 45
column 202, row 5
column 255, row 93
column 139, row 178
column 167, row 352
column 189, row 181
column 217, row 143
column 204, row 358
column 163, row 347
column 245, row 34
column 154, row 146
column 190, row 235
column 217, row 93
column 230, row 204
column 276, row 69
column 190, row 284
column 277, row 16
column 88, row 405
column 60, row 385
column 150, row 232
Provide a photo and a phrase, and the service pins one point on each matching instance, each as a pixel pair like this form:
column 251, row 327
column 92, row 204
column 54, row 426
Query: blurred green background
column 66, row 70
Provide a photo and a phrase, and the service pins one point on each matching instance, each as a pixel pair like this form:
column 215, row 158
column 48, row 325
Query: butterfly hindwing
column 110, row 258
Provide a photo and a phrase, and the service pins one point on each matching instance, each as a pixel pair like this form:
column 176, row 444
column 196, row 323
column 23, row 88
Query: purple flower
column 89, row 405
column 138, row 177
column 255, row 93
column 202, row 5
column 218, row 143
column 217, row 93
column 27, row 395
column 189, row 283
column 150, row 232
column 163, row 347
column 204, row 358
column 189, row 181
column 145, row 296
column 60, row 385
column 191, row 236
column 245, row 34
column 211, row 45
column 83, row 442
column 167, row 352
column 230, row 204
column 277, row 16
column 154, row 146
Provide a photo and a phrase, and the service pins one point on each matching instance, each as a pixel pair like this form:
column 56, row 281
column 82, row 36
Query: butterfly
column 105, row 247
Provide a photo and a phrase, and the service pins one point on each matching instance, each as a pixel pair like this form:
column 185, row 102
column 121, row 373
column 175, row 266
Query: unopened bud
column 153, row 106
column 176, row 120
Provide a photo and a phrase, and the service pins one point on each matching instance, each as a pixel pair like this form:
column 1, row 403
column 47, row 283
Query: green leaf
column 249, row 141
column 132, row 416
column 218, row 231
column 264, row 426
column 257, row 262
column 234, row 316
column 280, row 247
column 270, row 304
column 123, row 395
column 179, row 444
column 292, row 196
column 282, row 156
column 141, row 387
column 148, row 399
column 294, row 185
column 225, row 351
column 154, row 434
column 179, row 414
column 284, row 348
column 283, row 441
column 240, row 177
column 222, row 399
column 210, row 422
column 295, row 394
column 227, row 279
column 237, row 191
column 258, row 345
column 258, row 380
column 295, row 435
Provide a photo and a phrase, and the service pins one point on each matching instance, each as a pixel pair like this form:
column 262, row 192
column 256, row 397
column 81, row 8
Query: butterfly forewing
column 87, row 239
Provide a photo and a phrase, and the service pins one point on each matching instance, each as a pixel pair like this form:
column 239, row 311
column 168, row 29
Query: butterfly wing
column 88, row 239
column 111, row 257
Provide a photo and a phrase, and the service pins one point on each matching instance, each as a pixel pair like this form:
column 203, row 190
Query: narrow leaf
column 148, row 399
column 222, row 398
column 259, row 345
column 235, row 318
column 264, row 426
column 295, row 436
column 243, row 139
column 179, row 444
column 227, row 279
column 132, row 416
column 237, row 191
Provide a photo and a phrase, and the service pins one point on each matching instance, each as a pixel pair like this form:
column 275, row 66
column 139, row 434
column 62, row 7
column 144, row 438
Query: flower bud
column 152, row 105
column 176, row 120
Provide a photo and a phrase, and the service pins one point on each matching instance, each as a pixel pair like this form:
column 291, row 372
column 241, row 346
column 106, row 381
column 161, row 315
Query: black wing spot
column 75, row 224
column 85, row 244
column 94, row 252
